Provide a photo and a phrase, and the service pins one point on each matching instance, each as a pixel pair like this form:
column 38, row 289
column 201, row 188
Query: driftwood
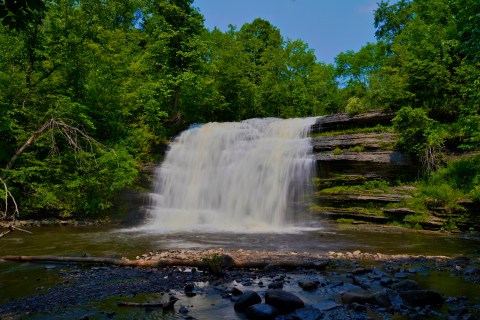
column 11, row 229
column 289, row 264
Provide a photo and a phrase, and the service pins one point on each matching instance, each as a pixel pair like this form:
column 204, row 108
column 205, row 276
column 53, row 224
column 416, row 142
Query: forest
column 92, row 90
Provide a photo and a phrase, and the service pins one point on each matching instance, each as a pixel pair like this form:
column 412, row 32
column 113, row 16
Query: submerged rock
column 261, row 311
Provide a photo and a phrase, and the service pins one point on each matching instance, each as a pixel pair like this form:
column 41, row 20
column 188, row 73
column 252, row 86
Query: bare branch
column 4, row 214
column 70, row 133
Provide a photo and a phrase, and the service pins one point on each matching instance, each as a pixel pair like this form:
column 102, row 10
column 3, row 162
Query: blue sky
column 327, row 26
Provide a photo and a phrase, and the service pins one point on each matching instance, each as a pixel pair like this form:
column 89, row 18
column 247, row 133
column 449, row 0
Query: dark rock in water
column 471, row 271
column 386, row 281
column 325, row 306
column 308, row 285
column 235, row 291
column 261, row 311
column 276, row 285
column 247, row 299
column 422, row 297
column 188, row 289
column 183, row 309
column 400, row 275
column 307, row 313
column 362, row 270
column 358, row 307
column 283, row 300
column 395, row 300
column 381, row 299
column 360, row 297
column 405, row 285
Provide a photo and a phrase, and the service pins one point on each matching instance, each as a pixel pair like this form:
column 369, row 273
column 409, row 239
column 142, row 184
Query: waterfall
column 239, row 176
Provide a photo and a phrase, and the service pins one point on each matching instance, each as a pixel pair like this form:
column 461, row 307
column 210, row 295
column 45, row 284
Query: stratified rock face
column 349, row 151
column 368, row 154
column 370, row 141
column 341, row 121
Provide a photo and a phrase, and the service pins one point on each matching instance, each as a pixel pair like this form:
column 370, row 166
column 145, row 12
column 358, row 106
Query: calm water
column 115, row 242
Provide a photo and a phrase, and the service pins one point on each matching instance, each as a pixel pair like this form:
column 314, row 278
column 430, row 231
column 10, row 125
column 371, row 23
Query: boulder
column 276, row 285
column 422, row 297
column 247, row 299
column 360, row 297
column 283, row 300
column 308, row 285
column 405, row 285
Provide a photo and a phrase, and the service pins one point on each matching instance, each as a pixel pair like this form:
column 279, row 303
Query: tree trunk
column 319, row 265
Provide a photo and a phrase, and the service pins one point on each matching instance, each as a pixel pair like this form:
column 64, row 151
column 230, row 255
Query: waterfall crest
column 237, row 176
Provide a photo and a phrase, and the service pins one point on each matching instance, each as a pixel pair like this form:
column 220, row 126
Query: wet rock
column 261, row 311
column 235, row 291
column 361, row 270
column 386, row 281
column 471, row 271
column 183, row 309
column 360, row 297
column 358, row 307
column 422, row 297
column 283, row 300
column 307, row 313
column 381, row 299
column 247, row 299
column 308, row 285
column 325, row 306
column 276, row 285
column 356, row 281
column 405, row 285
column 188, row 290
column 400, row 275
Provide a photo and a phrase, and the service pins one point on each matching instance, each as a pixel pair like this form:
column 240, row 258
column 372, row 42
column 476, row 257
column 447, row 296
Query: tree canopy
column 91, row 90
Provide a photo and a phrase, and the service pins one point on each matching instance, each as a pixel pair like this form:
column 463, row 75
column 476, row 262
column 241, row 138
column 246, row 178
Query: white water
column 244, row 177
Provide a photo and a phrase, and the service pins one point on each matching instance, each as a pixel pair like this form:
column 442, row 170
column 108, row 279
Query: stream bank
column 355, row 285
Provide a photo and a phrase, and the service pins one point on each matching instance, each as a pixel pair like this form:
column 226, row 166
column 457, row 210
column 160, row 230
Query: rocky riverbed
column 354, row 285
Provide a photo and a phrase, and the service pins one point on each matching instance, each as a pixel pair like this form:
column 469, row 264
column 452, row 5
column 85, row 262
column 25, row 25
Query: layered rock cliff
column 356, row 158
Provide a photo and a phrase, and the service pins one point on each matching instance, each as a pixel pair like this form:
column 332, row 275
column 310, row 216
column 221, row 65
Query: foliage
column 214, row 262
column 130, row 74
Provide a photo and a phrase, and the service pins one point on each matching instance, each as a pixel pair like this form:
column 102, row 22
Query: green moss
column 337, row 151
column 357, row 149
column 344, row 220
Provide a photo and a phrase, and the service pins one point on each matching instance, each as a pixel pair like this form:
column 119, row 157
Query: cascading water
column 244, row 176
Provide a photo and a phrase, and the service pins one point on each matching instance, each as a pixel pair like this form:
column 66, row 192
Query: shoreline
column 353, row 283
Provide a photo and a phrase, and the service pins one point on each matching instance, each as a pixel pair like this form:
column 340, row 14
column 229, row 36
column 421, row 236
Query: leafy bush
column 413, row 126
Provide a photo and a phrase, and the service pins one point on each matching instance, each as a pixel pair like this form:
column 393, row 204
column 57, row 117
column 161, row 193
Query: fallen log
column 289, row 264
